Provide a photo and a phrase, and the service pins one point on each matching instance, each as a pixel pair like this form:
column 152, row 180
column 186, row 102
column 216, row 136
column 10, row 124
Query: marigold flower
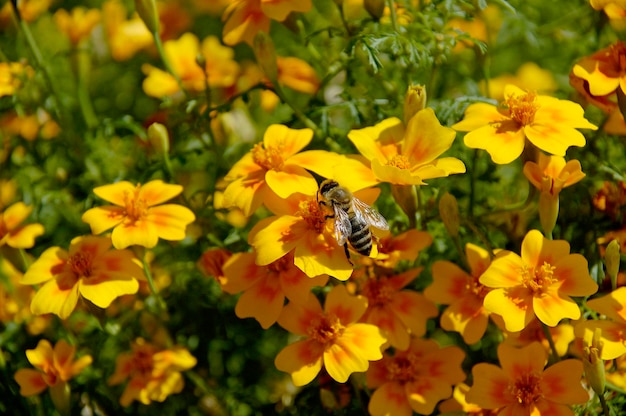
column 265, row 287
column 211, row 263
column 78, row 24
column 221, row 68
column 398, row 313
column 55, row 367
column 405, row 246
column 89, row 270
column 29, row 10
column 529, row 76
column 334, row 339
column 464, row 294
column 12, row 75
column 12, row 233
column 245, row 18
column 297, row 74
column 537, row 283
column 548, row 123
column 273, row 165
column 615, row 10
column 459, row 404
column 408, row 156
column 414, row 380
column 154, row 372
column 138, row 216
column 562, row 336
column 613, row 336
column 126, row 36
column 523, row 386
column 29, row 126
column 611, row 200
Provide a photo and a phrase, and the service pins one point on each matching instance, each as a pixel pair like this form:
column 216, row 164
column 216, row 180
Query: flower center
column 80, row 264
column 313, row 215
column 404, row 368
column 400, row 162
column 325, row 329
column 522, row 108
column 377, row 292
column 618, row 56
column 143, row 360
column 268, row 158
column 526, row 389
column 136, row 207
column 478, row 289
column 538, row 280
column 280, row 265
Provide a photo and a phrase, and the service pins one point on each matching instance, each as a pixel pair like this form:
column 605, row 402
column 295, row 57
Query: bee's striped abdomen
column 361, row 237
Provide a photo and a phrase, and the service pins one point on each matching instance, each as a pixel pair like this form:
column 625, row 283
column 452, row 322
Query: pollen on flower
column 80, row 263
column 538, row 279
column 618, row 56
column 526, row 389
column 268, row 157
column 280, row 265
column 400, row 162
column 378, row 292
column 136, row 207
column 403, row 369
column 325, row 329
column 313, row 215
column 474, row 286
column 522, row 108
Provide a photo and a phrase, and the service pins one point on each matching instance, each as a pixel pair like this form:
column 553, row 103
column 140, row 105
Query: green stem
column 548, row 335
column 392, row 15
column 153, row 289
column 298, row 113
column 605, row 406
column 82, row 68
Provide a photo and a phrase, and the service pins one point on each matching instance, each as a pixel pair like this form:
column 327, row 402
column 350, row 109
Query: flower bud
column 374, row 7
column 266, row 55
column 60, row 395
column 449, row 213
column 548, row 211
column 414, row 101
column 159, row 138
column 611, row 260
column 406, row 198
column 594, row 366
column 147, row 10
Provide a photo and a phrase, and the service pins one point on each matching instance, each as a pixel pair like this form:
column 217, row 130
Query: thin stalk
column 392, row 15
column 605, row 406
column 548, row 335
column 153, row 289
column 298, row 113
column 84, row 100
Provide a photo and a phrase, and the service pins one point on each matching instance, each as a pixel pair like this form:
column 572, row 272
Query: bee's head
column 327, row 185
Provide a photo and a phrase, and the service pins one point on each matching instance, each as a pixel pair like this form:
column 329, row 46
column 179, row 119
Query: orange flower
column 548, row 123
column 273, row 166
column 408, row 156
column 297, row 74
column 78, row 24
column 334, row 339
column 29, row 126
column 405, row 246
column 399, row 314
column 562, row 336
column 265, row 287
column 12, row 75
column 154, row 372
column 523, row 386
column 613, row 336
column 537, row 283
column 463, row 293
column 89, row 270
column 30, row 10
column 55, row 367
column 615, row 10
column 126, row 36
column 414, row 380
column 137, row 216
column 458, row 404
column 12, row 233
column 245, row 18
column 211, row 264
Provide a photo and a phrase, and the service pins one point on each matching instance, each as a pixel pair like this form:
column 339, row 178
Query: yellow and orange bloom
column 393, row 249
column 414, row 380
column 458, row 404
column 613, row 327
column 266, row 287
column 154, row 372
column 297, row 74
column 245, row 18
column 529, row 76
column 126, row 36
column 29, row 126
column 550, row 175
column 273, row 166
column 562, row 336
column 77, row 24
column 615, row 10
column 55, row 367
column 408, row 155
column 398, row 312
column 523, row 386
column 538, row 283
column 138, row 215
column 12, row 232
column 464, row 294
column 548, row 123
column 211, row 263
column 12, row 75
column 29, row 10
column 220, row 71
column 89, row 270
column 334, row 338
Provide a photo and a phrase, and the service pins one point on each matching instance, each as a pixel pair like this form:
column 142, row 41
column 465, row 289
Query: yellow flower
column 405, row 246
column 12, row 233
column 562, row 336
column 78, row 24
column 154, row 372
column 29, row 126
column 30, row 10
column 333, row 338
column 615, row 10
column 523, row 386
column 89, row 270
column 12, row 75
column 55, row 367
column 245, row 18
column 537, row 283
column 138, row 216
column 548, row 123
column 297, row 75
column 458, row 404
column 126, row 36
column 408, row 156
column 529, row 76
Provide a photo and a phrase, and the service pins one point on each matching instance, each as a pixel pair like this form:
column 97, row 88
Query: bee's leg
column 345, row 247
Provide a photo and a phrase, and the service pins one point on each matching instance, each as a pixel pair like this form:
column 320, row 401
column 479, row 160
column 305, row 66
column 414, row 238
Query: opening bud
column 147, row 10
column 414, row 101
column 266, row 55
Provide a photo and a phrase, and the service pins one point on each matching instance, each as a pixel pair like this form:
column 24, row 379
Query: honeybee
column 352, row 217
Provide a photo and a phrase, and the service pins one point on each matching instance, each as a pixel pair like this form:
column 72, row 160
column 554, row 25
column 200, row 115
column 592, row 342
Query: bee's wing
column 343, row 228
column 369, row 214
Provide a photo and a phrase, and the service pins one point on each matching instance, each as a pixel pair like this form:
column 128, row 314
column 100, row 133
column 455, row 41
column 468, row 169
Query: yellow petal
column 561, row 383
column 31, row 381
column 551, row 307
column 106, row 291
column 156, row 192
column 302, row 359
column 290, row 180
column 288, row 141
column 170, row 220
column 115, row 193
column 346, row 307
column 53, row 298
column 514, row 305
column 101, row 219
column 554, row 138
column 503, row 142
column 379, row 142
column 141, row 233
column 45, row 267
column 276, row 237
column 425, row 138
